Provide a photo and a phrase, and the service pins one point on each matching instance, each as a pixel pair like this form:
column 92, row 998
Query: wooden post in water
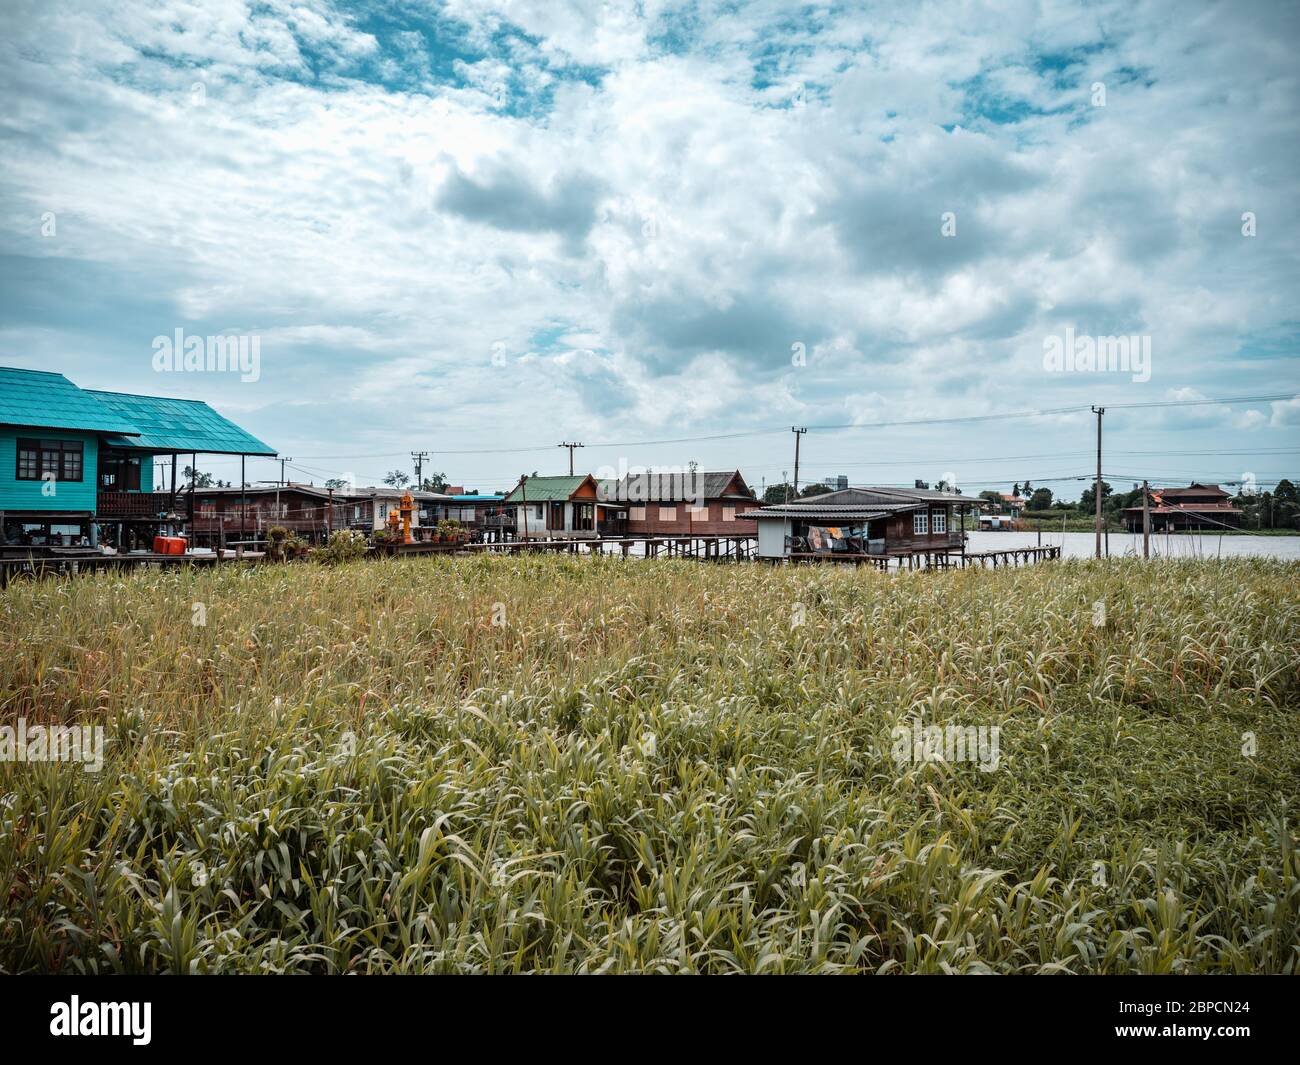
column 1146, row 521
column 1099, row 411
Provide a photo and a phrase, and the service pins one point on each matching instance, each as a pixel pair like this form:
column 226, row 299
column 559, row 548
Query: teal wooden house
column 75, row 461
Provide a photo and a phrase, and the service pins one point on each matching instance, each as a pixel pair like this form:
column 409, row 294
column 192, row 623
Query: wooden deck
column 937, row 559
column 707, row 548
column 702, row 548
column 71, row 565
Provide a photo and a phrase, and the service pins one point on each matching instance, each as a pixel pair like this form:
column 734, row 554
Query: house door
column 556, row 522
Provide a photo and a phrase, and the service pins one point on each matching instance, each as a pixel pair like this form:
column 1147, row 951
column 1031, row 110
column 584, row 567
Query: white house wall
column 771, row 537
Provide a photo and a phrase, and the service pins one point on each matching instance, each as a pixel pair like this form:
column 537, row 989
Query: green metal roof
column 179, row 425
column 45, row 400
column 546, row 489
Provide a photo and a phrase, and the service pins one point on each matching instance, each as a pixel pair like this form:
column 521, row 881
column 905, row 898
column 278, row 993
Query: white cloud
column 387, row 217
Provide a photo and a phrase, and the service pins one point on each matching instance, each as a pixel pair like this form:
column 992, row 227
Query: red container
column 169, row 545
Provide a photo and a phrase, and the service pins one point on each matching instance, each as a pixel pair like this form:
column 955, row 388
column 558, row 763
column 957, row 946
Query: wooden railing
column 141, row 505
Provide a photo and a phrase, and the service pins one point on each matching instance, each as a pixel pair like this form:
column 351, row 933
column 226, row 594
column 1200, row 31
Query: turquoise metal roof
column 40, row 399
column 546, row 489
column 179, row 425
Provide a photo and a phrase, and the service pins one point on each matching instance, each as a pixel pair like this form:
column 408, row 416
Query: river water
column 1179, row 545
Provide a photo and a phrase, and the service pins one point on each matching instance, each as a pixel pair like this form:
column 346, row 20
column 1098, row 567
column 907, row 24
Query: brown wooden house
column 224, row 515
column 684, row 504
column 1198, row 506
column 873, row 520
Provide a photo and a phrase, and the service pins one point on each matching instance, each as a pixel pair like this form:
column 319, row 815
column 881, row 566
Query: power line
column 846, row 426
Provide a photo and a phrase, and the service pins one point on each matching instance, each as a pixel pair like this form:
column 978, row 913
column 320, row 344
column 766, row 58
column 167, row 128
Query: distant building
column 1012, row 504
column 479, row 513
column 563, row 508
column 1198, row 506
column 837, row 483
column 870, row 520
column 687, row 503
column 220, row 514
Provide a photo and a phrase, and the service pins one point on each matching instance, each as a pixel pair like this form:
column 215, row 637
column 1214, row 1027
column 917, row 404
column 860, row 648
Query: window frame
column 40, row 448
column 920, row 523
column 667, row 513
column 939, row 522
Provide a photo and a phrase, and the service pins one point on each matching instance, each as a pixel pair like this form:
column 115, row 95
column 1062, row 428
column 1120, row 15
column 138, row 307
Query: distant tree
column 1015, row 491
column 1286, row 504
column 397, row 478
column 1087, row 501
column 201, row 480
column 1026, row 489
column 989, row 496
column 777, row 493
column 1122, row 500
column 435, row 482
column 1041, row 499
column 336, row 483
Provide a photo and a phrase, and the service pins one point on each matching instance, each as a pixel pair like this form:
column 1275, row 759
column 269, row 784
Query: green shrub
column 345, row 545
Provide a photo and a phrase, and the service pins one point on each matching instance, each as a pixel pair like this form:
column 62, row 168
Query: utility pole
column 1146, row 521
column 329, row 517
column 282, row 462
column 797, row 433
column 570, row 447
column 419, row 457
column 1099, row 411
column 523, row 494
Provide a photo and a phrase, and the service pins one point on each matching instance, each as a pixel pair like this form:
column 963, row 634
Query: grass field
column 562, row 764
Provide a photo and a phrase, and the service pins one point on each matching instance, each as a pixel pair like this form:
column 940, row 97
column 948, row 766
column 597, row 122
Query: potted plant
column 277, row 537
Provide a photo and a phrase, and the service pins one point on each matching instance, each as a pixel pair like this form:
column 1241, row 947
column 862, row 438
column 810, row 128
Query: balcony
column 140, row 506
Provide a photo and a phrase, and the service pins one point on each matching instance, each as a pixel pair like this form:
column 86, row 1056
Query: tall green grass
column 653, row 766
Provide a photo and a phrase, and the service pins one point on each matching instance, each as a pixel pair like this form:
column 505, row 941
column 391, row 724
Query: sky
column 671, row 231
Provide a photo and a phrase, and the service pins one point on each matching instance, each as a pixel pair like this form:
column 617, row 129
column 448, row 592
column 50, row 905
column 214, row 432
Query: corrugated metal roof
column 842, row 512
column 45, row 400
column 262, row 490
column 871, row 495
column 179, row 425
column 1196, row 488
column 546, row 489
column 654, row 487
column 386, row 491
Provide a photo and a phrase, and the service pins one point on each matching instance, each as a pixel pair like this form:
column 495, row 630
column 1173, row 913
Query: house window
column 728, row 513
column 636, row 514
column 383, row 510
column 118, row 472
column 667, row 513
column 698, row 513
column 939, row 523
column 58, row 460
column 920, row 523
